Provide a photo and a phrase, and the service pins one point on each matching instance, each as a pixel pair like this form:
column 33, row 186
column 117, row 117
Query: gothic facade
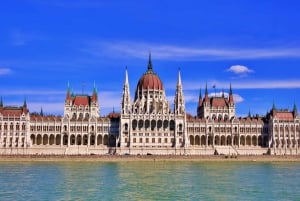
column 148, row 125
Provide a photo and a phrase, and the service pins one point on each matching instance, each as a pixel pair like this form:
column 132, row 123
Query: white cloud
column 236, row 97
column 239, row 69
column 5, row 71
column 175, row 52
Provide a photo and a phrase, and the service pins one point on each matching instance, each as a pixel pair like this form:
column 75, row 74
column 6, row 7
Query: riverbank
column 129, row 158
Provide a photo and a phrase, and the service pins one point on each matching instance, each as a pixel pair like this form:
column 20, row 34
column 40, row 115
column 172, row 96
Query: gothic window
column 166, row 124
column 220, row 117
column 147, row 124
column 180, row 127
column 172, row 125
column 159, row 124
column 153, row 124
column 141, row 123
column 134, row 124
column 225, row 117
column 126, row 127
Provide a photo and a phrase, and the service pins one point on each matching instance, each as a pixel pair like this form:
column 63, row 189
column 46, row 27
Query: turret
column 231, row 101
column 200, row 103
column 206, row 98
column 295, row 111
column 126, row 95
column 179, row 99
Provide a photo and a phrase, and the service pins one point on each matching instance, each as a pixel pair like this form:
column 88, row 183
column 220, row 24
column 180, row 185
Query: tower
column 179, row 99
column 125, row 105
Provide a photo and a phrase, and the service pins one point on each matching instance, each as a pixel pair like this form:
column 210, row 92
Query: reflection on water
column 149, row 181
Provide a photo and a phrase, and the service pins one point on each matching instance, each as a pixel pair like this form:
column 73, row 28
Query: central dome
column 150, row 79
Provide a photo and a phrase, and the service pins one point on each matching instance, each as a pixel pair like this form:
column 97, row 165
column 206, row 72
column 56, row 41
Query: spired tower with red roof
column 81, row 106
column 216, row 107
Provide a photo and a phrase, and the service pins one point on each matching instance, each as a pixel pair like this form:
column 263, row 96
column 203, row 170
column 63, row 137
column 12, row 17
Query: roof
column 150, row 81
column 218, row 102
column 81, row 100
column 114, row 115
column 284, row 115
column 13, row 111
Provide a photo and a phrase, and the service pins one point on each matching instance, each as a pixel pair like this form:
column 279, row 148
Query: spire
column 125, row 105
column 223, row 93
column 179, row 104
column 41, row 112
column 68, row 96
column 249, row 114
column 206, row 99
column 273, row 106
column 1, row 102
column 126, row 76
column 230, row 95
column 200, row 103
column 95, row 93
column 95, row 88
column 200, row 94
column 295, row 110
column 25, row 103
column 150, row 63
column 68, row 87
column 179, row 78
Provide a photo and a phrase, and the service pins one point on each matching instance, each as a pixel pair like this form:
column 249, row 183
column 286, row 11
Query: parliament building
column 148, row 125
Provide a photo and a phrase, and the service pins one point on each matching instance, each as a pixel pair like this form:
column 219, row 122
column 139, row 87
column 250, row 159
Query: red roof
column 13, row 111
column 218, row 102
column 150, row 81
column 81, row 100
column 284, row 115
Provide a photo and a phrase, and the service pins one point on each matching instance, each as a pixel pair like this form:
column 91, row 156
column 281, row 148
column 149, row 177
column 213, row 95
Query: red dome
column 150, row 81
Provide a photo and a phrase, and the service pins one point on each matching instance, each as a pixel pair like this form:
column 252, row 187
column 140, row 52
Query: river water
column 149, row 180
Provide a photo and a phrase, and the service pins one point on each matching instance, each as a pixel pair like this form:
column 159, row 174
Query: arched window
column 153, row 124
column 172, row 125
column 180, row 127
column 126, row 127
column 134, row 124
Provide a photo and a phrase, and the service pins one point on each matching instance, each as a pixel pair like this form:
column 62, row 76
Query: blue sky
column 255, row 45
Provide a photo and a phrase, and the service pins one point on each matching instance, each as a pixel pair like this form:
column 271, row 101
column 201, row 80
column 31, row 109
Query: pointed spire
column 295, row 110
column 150, row 63
column 126, row 76
column 68, row 87
column 200, row 98
column 1, row 102
column 223, row 93
column 273, row 106
column 25, row 103
column 206, row 99
column 200, row 94
column 41, row 112
column 179, row 78
column 68, row 96
column 249, row 114
column 230, row 95
column 95, row 93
